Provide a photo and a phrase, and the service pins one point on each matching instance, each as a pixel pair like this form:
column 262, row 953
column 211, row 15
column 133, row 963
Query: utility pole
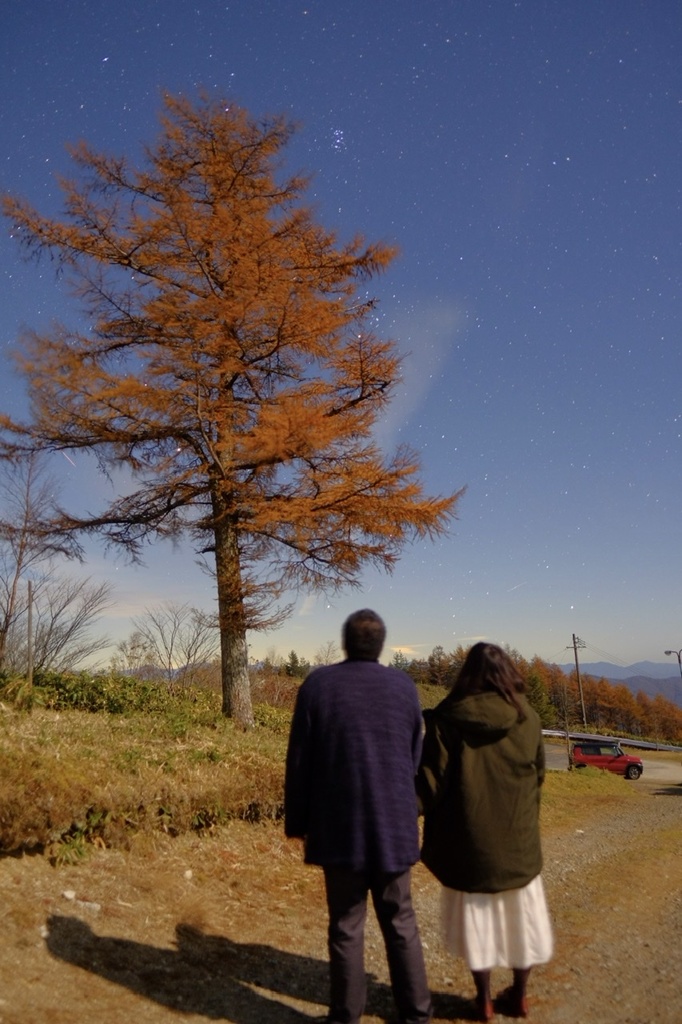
column 577, row 642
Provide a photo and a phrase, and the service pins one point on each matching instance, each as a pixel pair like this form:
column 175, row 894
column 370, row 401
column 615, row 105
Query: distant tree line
column 609, row 707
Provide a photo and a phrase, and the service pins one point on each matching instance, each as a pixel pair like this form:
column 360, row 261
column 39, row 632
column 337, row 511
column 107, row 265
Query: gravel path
column 102, row 941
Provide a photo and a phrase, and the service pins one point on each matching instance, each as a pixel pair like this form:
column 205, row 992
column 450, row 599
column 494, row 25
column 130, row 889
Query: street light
column 679, row 657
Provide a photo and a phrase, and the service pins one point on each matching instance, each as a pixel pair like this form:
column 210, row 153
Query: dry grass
column 67, row 778
column 569, row 798
column 671, row 756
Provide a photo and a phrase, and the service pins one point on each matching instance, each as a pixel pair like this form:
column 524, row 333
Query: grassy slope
column 68, row 778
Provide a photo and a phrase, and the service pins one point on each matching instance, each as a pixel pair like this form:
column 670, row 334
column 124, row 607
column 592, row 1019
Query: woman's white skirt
column 501, row 929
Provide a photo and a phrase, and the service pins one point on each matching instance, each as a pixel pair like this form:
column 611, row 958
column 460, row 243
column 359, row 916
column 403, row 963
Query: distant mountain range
column 651, row 677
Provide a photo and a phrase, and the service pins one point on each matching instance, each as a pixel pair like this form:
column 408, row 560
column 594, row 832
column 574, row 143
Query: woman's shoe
column 484, row 1009
column 511, row 1004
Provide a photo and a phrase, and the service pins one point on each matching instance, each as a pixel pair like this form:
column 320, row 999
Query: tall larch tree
column 229, row 362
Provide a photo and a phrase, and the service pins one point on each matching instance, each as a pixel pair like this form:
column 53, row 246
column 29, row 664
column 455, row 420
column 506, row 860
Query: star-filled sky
column 526, row 158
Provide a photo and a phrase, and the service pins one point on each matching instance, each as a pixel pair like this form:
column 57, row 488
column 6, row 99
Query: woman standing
column 479, row 785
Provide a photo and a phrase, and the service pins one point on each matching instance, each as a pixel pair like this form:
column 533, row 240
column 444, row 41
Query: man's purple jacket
column 353, row 754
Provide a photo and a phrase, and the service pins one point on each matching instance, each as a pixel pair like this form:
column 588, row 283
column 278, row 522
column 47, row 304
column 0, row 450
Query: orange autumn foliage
column 230, row 363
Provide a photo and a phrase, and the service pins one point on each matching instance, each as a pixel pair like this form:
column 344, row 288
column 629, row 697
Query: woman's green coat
column 479, row 788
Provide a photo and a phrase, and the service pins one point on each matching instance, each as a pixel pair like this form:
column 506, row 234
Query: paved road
column 654, row 771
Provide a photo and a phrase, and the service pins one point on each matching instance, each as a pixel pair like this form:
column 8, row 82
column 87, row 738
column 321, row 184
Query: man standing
column 353, row 754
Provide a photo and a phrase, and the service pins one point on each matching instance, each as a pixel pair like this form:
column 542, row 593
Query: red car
column 609, row 756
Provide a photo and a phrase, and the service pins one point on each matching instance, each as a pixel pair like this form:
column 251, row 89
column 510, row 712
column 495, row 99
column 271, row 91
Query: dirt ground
column 232, row 928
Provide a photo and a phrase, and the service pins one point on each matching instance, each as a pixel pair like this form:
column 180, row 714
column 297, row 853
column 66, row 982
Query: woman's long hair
column 488, row 668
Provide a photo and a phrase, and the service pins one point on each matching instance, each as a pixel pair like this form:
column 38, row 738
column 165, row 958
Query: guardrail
column 639, row 744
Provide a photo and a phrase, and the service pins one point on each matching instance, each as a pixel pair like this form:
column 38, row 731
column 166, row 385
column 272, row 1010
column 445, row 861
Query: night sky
column 526, row 158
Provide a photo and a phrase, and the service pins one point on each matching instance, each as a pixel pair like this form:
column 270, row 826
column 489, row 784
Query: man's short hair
column 364, row 633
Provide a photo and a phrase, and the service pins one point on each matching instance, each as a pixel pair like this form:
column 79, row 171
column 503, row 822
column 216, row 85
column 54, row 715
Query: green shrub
column 111, row 693
column 277, row 720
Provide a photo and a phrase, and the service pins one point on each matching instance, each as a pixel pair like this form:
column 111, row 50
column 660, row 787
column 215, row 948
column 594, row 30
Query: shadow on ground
column 207, row 975
column 216, row 977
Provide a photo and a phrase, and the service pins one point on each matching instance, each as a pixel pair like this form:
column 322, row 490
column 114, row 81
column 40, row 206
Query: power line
column 605, row 654
column 553, row 659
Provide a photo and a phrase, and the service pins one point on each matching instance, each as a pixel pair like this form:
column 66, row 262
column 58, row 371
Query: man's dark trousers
column 347, row 904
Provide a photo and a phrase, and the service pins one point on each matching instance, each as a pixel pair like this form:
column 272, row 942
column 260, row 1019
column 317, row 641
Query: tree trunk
column 234, row 657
